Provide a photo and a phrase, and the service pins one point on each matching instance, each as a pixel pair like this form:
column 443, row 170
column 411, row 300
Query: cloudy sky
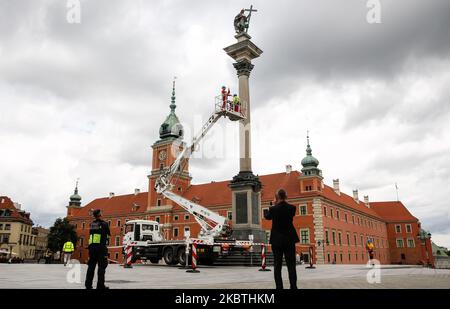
column 86, row 99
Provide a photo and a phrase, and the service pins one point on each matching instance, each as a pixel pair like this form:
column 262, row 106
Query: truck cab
column 142, row 231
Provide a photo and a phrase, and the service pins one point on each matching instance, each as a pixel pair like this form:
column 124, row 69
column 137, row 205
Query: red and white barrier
column 128, row 256
column 194, row 259
column 263, row 258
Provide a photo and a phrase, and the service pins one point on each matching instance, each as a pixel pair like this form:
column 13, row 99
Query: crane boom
column 212, row 224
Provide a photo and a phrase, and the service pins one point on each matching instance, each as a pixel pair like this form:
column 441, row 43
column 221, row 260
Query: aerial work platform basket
column 233, row 110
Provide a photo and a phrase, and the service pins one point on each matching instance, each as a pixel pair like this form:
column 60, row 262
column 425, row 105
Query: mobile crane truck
column 145, row 236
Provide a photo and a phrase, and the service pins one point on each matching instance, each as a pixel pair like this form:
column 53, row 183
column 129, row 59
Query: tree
column 60, row 232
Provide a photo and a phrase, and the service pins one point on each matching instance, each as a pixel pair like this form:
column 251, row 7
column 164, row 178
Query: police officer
column 99, row 235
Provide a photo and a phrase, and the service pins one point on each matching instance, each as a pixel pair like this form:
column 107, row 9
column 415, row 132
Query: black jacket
column 283, row 230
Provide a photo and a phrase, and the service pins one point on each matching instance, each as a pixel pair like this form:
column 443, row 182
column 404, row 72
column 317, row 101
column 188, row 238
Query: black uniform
column 98, row 252
column 283, row 238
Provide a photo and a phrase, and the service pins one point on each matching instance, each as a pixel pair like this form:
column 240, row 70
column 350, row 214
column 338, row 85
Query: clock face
column 162, row 155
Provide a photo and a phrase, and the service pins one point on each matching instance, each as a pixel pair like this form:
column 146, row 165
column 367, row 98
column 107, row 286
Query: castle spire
column 173, row 105
column 310, row 163
column 75, row 198
column 171, row 127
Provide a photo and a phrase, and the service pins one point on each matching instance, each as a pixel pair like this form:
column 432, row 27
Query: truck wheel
column 154, row 260
column 181, row 256
column 168, row 256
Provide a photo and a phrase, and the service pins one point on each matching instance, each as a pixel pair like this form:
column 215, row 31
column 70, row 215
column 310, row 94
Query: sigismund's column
column 245, row 186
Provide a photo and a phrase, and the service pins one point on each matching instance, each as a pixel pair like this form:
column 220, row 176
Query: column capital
column 243, row 67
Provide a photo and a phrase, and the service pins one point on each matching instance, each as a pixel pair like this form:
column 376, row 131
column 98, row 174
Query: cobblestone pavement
column 215, row 277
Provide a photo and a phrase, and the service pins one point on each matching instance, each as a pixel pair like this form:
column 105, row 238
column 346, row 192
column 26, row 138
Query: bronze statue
column 241, row 22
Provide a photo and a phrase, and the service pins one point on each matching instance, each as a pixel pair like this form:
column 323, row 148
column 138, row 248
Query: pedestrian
column 99, row 235
column 283, row 238
column 68, row 249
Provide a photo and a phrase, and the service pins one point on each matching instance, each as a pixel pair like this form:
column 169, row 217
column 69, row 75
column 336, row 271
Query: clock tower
column 165, row 151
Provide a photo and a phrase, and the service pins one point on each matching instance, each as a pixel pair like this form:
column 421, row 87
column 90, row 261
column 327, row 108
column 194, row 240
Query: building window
column 400, row 243
column 329, row 258
column 337, row 215
column 175, row 218
column 158, row 202
column 157, row 219
column 161, row 166
column 398, row 228
column 264, row 211
column 345, row 217
column 362, row 240
column 325, row 211
column 348, row 239
column 327, row 239
column 21, row 227
column 308, row 188
column 302, row 210
column 7, row 227
column 411, row 243
column 117, row 241
column 116, row 255
column 186, row 217
column 304, row 236
column 81, row 241
column 349, row 257
column 186, row 229
column 353, row 219
column 332, row 213
column 175, row 232
column 408, row 228
column 118, row 222
column 230, row 215
column 109, row 222
column 1, row 226
column 83, row 225
column 333, row 233
column 340, row 238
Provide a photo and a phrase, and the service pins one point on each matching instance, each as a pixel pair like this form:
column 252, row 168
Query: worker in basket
column 225, row 94
column 236, row 103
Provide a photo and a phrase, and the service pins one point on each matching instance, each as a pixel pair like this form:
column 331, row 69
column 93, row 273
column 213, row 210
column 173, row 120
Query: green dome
column 171, row 127
column 309, row 160
column 75, row 197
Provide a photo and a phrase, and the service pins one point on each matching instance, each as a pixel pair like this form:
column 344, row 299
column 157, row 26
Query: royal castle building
column 336, row 225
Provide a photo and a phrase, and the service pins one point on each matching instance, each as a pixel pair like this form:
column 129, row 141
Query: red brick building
column 335, row 224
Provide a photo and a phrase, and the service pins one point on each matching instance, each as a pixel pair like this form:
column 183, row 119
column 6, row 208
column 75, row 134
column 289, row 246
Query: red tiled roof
column 15, row 214
column 348, row 200
column 218, row 193
column 393, row 211
column 117, row 205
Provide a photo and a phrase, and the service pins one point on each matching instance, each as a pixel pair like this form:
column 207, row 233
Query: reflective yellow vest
column 68, row 247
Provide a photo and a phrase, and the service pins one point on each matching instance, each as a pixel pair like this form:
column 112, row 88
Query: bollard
column 311, row 266
column 194, row 260
column 128, row 255
column 263, row 258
